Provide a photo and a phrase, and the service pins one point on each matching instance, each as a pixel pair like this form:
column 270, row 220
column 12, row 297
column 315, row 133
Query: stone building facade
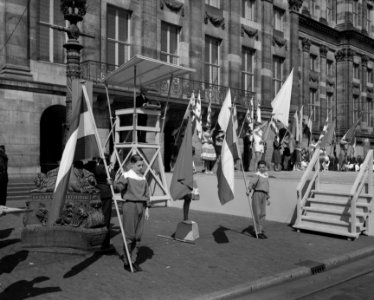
column 248, row 45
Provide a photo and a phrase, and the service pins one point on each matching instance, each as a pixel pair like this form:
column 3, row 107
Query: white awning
column 147, row 71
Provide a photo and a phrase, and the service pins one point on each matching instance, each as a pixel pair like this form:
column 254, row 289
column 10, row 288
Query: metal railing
column 181, row 88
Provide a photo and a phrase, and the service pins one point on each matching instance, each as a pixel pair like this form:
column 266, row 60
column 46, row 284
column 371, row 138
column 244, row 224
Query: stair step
column 325, row 220
column 331, row 211
column 337, row 202
column 336, row 193
column 327, row 230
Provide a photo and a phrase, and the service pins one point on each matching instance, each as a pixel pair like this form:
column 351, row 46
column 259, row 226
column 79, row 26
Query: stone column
column 305, row 76
column 14, row 59
column 150, row 34
column 322, row 84
column 197, row 39
column 344, row 79
column 267, row 86
column 294, row 7
column 234, row 55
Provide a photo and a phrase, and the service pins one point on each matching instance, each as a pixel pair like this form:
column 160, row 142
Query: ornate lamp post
column 73, row 12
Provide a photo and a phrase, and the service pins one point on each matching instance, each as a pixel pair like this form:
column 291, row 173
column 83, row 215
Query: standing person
column 105, row 195
column 134, row 190
column 208, row 154
column 260, row 197
column 247, row 149
column 3, row 175
column 276, row 157
column 258, row 143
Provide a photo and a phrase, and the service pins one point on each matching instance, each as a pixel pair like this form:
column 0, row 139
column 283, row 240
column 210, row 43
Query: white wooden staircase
column 336, row 209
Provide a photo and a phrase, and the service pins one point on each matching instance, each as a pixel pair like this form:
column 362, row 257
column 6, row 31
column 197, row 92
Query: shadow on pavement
column 89, row 261
column 23, row 289
column 8, row 242
column 220, row 236
column 5, row 232
column 249, row 230
column 9, row 262
column 144, row 253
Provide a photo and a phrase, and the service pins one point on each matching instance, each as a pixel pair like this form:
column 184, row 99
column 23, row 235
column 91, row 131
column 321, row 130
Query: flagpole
column 180, row 127
column 167, row 104
column 245, row 182
column 241, row 128
column 107, row 172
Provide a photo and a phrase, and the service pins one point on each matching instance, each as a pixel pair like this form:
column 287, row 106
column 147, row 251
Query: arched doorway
column 51, row 136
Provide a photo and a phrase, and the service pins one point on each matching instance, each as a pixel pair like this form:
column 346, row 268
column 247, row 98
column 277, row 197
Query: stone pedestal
column 79, row 229
column 187, row 230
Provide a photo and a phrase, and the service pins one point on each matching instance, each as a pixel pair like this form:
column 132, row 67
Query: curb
column 296, row 273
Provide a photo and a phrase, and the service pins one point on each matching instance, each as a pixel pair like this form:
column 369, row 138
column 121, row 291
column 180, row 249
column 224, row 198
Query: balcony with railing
column 181, row 88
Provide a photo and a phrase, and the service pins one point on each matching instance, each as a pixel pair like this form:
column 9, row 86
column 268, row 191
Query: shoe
column 137, row 268
column 264, row 236
column 260, row 236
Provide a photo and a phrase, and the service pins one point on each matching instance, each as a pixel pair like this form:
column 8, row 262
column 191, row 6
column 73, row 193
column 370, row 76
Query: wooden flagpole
column 107, row 172
column 245, row 181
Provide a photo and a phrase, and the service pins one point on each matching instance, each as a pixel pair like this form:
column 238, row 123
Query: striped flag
column 328, row 137
column 197, row 117
column 225, row 171
column 324, row 130
column 223, row 119
column 209, row 114
column 349, row 136
column 81, row 144
column 191, row 103
column 281, row 102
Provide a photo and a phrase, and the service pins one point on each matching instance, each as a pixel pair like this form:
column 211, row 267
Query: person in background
column 258, row 143
column 3, row 175
column 208, row 154
column 247, row 149
column 276, row 157
column 134, row 190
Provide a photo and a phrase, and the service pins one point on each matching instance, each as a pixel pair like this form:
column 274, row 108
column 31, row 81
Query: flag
column 248, row 120
column 223, row 119
column 235, row 128
column 225, row 170
column 301, row 116
column 295, row 130
column 349, row 136
column 209, row 114
column 324, row 130
column 252, row 113
column 182, row 180
column 309, row 125
column 197, row 117
column 258, row 113
column 281, row 102
column 191, row 103
column 328, row 138
column 81, row 144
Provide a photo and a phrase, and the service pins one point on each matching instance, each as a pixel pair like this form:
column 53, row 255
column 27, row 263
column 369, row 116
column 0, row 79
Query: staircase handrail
column 313, row 164
column 366, row 169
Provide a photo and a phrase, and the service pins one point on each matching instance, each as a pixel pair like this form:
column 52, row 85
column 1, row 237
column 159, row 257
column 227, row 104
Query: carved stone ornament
column 364, row 60
column 323, row 51
column 73, row 7
column 173, row 5
column 305, row 11
column 216, row 21
column 369, row 90
column 306, row 44
column 344, row 54
column 356, row 85
column 330, row 82
column 250, row 32
column 295, row 5
column 280, row 42
column 313, row 77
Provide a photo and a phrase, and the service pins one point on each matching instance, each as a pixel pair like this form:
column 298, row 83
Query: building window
column 314, row 107
column 369, row 18
column 249, row 9
column 313, row 8
column 355, row 13
column 369, row 75
column 329, row 18
column 314, row 62
column 277, row 73
column 212, row 61
column 118, row 36
column 356, row 71
column 169, row 43
column 248, row 67
column 357, row 106
column 215, row 3
column 278, row 19
column 329, row 104
column 330, row 68
column 50, row 41
column 370, row 112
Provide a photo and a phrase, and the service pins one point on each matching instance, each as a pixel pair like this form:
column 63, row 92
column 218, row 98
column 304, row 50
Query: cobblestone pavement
column 222, row 257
